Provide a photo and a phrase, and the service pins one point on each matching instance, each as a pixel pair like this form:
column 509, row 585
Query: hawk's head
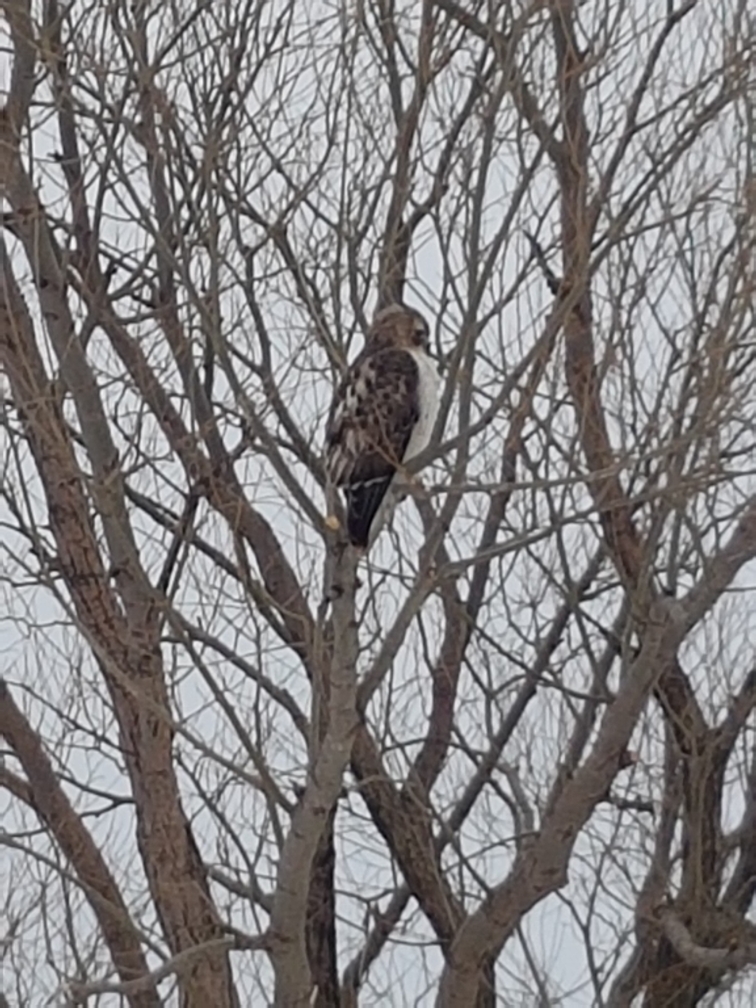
column 399, row 326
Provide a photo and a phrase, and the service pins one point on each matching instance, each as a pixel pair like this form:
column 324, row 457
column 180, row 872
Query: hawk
column 382, row 415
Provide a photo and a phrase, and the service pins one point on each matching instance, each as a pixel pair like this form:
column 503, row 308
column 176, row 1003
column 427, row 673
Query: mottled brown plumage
column 382, row 414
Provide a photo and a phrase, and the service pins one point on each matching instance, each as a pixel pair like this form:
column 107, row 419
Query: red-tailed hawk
column 382, row 415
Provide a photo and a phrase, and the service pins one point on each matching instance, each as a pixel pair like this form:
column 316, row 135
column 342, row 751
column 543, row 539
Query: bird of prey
column 382, row 415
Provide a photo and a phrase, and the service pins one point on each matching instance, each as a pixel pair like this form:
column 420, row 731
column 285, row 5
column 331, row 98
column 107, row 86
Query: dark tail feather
column 363, row 500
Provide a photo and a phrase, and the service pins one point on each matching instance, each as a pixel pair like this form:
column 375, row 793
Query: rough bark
column 46, row 796
column 130, row 661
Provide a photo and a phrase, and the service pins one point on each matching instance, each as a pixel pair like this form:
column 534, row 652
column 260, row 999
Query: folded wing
column 373, row 416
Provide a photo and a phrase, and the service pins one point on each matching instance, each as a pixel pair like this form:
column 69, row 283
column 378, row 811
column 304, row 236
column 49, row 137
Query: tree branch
column 45, row 795
column 735, row 957
column 80, row 993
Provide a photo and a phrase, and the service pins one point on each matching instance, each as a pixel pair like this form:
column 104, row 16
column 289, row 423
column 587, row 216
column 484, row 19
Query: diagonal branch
column 81, row 993
column 18, row 15
column 131, row 665
column 396, row 234
column 541, row 864
column 734, row 957
column 45, row 795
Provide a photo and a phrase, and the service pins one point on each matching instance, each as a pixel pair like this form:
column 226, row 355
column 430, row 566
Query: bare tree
column 508, row 757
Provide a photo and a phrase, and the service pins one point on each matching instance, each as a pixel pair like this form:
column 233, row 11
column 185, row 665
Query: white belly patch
column 427, row 398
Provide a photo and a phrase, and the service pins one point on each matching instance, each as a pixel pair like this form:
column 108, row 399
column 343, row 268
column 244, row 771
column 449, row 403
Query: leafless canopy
column 509, row 758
